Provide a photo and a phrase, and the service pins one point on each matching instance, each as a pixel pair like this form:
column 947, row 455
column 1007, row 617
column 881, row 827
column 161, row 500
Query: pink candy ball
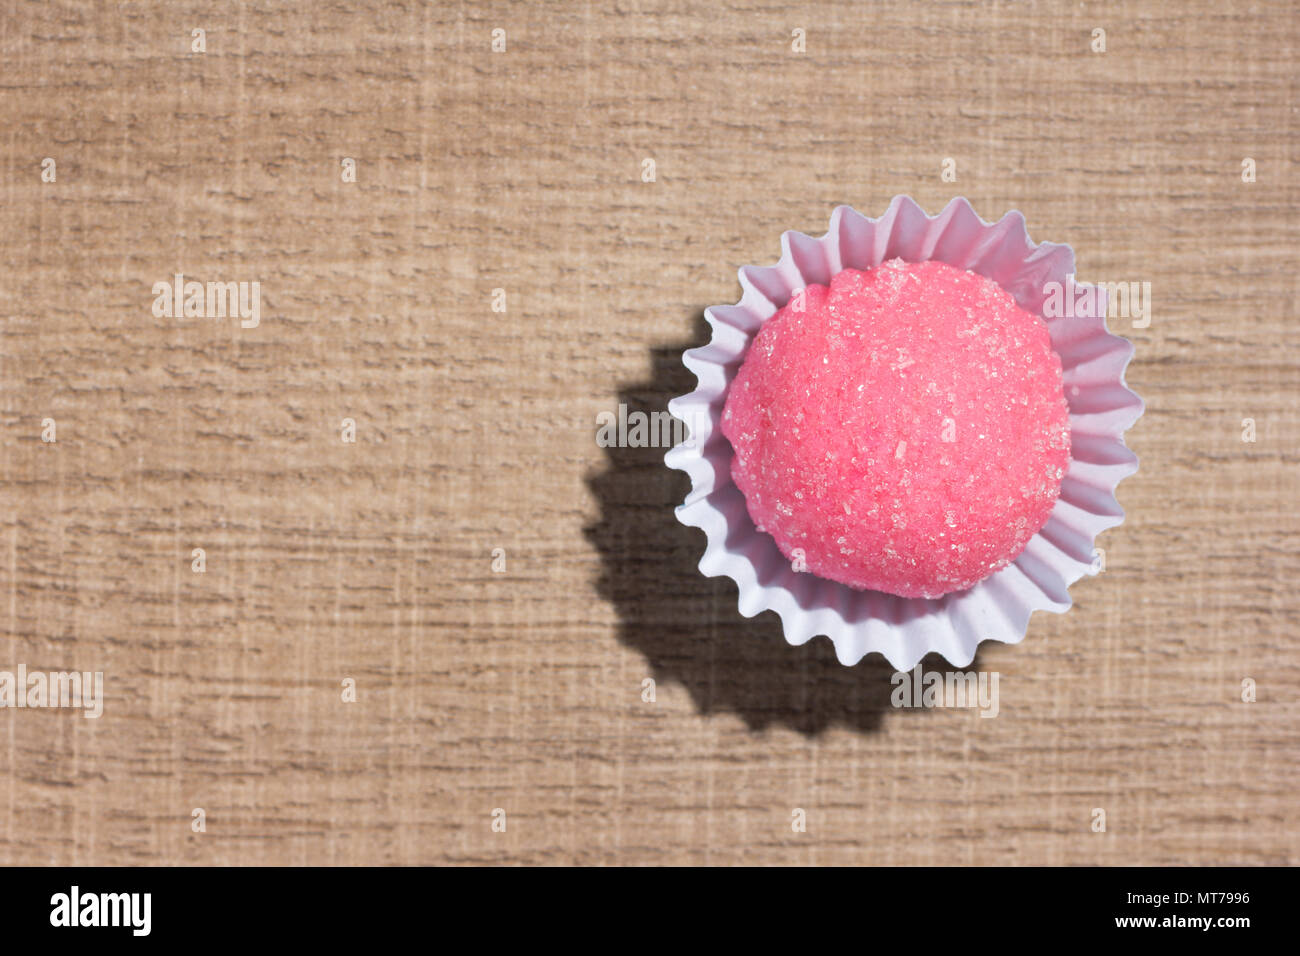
column 904, row 430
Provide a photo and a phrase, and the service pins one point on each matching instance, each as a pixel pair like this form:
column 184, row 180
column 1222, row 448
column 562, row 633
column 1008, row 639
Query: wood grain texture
column 522, row 691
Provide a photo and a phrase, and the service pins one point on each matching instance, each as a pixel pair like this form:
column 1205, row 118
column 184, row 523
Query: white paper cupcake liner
column 904, row 630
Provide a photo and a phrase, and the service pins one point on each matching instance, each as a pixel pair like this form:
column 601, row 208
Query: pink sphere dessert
column 903, row 430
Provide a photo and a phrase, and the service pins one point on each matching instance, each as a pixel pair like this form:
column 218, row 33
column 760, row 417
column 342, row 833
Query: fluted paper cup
column 998, row 608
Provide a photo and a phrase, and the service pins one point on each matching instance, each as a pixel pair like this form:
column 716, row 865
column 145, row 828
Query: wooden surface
column 476, row 429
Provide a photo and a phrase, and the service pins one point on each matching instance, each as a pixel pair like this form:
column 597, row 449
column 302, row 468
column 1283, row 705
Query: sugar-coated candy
column 904, row 430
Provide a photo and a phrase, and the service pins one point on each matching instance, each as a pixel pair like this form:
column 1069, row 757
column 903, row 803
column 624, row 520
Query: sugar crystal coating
column 904, row 430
